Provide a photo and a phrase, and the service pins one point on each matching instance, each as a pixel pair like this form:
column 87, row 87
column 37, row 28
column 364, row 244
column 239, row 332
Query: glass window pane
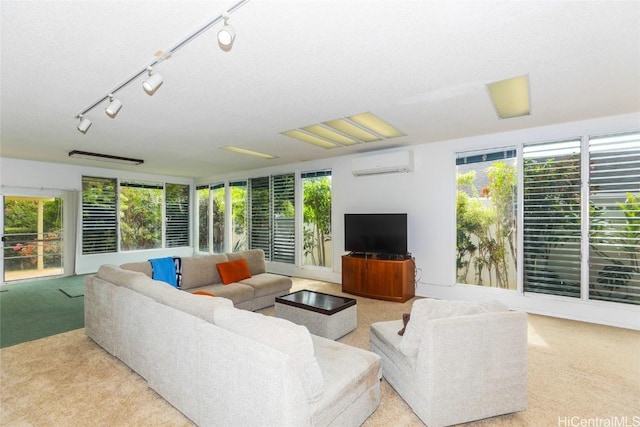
column 260, row 215
column 217, row 230
column 140, row 215
column 99, row 215
column 317, row 244
column 614, row 241
column 284, row 231
column 486, row 219
column 177, row 215
column 203, row 218
column 239, row 223
column 552, row 218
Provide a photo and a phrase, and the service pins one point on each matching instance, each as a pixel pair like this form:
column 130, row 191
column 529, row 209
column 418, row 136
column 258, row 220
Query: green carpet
column 37, row 309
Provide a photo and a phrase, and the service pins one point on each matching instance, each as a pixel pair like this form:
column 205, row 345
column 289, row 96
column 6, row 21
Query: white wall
column 427, row 195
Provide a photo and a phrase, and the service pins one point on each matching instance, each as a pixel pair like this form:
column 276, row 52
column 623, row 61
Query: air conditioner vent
column 378, row 164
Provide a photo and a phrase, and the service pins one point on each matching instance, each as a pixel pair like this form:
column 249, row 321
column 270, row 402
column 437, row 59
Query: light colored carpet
column 577, row 371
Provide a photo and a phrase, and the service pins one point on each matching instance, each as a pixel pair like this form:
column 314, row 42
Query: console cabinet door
column 353, row 275
column 389, row 280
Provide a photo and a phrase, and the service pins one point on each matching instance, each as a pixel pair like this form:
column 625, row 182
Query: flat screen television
column 376, row 233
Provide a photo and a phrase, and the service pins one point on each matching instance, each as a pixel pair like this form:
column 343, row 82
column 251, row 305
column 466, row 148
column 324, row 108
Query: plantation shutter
column 283, row 190
column 316, row 174
column 259, row 216
column 99, row 215
column 552, row 212
column 177, row 215
column 614, row 187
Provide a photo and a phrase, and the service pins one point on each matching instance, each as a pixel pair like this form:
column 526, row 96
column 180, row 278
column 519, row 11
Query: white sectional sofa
column 223, row 366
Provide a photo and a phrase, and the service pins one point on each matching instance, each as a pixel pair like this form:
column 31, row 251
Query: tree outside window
column 140, row 215
column 486, row 219
column 317, row 244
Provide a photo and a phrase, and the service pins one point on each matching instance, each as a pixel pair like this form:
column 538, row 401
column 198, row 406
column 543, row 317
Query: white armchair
column 458, row 361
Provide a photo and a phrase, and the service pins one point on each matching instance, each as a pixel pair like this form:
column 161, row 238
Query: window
column 99, row 215
column 552, row 218
column 239, row 223
column 140, row 215
column 260, row 215
column 283, row 225
column 217, row 216
column 136, row 211
column 486, row 219
column 202, row 198
column 316, row 231
column 177, row 215
column 614, row 220
column 580, row 197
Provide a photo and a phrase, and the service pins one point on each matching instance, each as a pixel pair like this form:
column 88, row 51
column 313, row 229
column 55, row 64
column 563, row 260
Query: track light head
column 152, row 83
column 83, row 124
column 226, row 35
column 114, row 107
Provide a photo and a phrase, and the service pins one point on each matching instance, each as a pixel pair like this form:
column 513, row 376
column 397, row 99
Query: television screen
column 376, row 233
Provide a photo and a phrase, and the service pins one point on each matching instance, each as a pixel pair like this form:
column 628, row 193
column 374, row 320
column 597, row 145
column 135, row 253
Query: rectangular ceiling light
column 311, row 139
column 353, row 130
column 104, row 157
column 330, row 135
column 248, row 152
column 510, row 97
column 376, row 124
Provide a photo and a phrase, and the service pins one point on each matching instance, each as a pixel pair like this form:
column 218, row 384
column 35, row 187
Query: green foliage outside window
column 317, row 219
column 486, row 227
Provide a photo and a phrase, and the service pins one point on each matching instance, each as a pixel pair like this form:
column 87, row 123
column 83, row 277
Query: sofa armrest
column 474, row 366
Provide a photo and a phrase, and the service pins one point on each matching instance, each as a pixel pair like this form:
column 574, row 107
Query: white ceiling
column 421, row 65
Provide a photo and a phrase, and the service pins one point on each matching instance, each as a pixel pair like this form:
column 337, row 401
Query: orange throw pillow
column 232, row 271
column 203, row 293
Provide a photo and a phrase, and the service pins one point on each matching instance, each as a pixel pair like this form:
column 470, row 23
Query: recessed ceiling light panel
column 510, row 97
column 330, row 134
column 353, row 130
column 248, row 152
column 311, row 139
column 377, row 125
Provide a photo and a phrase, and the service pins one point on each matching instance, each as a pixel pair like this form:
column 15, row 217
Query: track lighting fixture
column 113, row 108
column 84, row 124
column 152, row 84
column 226, row 35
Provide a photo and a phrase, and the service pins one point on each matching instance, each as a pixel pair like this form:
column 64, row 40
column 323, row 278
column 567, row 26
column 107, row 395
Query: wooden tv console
column 385, row 279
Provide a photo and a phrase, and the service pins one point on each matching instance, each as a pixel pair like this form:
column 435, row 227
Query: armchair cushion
column 428, row 309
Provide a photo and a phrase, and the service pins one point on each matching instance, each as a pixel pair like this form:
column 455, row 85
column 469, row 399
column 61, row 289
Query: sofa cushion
column 351, row 375
column 254, row 258
column 268, row 284
column 427, row 309
column 233, row 271
column 201, row 271
column 142, row 267
column 236, row 292
column 280, row 334
column 116, row 275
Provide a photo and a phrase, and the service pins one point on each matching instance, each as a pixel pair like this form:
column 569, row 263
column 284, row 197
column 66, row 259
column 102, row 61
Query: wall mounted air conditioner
column 378, row 164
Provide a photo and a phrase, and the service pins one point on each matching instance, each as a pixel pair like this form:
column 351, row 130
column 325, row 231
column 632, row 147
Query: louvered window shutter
column 99, row 215
column 552, row 212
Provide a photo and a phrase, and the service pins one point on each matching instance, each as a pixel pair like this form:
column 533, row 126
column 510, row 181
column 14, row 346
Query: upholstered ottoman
column 325, row 315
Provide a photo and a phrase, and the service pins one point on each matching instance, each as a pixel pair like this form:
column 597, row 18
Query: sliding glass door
column 32, row 237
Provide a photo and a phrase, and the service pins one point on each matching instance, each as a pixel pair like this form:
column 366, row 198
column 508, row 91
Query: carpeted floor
column 577, row 371
column 40, row 308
